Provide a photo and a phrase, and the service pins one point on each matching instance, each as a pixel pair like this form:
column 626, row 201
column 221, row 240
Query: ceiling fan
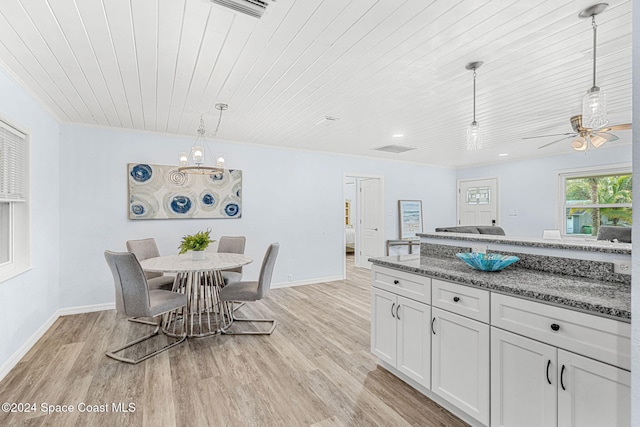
column 582, row 136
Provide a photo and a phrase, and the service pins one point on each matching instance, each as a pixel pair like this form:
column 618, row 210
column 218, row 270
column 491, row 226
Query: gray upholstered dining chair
column 145, row 249
column 232, row 245
column 246, row 291
column 134, row 299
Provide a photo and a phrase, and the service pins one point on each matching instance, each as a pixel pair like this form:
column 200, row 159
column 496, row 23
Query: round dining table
column 201, row 281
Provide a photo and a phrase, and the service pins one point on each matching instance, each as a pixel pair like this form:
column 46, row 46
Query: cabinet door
column 460, row 363
column 592, row 393
column 523, row 381
column 383, row 325
column 414, row 340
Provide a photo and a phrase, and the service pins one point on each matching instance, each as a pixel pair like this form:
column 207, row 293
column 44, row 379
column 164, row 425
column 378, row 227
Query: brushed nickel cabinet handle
column 392, row 306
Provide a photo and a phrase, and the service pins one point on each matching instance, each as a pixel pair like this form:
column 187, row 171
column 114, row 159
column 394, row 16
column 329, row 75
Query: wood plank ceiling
column 381, row 67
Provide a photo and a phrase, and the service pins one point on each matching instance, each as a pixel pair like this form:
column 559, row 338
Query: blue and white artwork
column 161, row 192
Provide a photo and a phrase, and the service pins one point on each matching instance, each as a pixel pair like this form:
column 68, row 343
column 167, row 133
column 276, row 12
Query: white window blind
column 13, row 164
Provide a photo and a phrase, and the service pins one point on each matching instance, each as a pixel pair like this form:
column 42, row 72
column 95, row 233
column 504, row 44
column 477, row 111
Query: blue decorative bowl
column 487, row 262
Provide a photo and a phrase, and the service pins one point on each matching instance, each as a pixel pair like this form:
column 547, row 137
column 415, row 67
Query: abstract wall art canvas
column 161, row 192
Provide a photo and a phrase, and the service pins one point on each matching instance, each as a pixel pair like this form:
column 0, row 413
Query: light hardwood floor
column 314, row 370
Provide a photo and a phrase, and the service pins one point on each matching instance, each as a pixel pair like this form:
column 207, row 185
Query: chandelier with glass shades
column 193, row 163
column 474, row 138
column 594, row 102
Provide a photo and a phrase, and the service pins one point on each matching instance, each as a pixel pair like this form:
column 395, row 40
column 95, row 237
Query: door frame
column 458, row 195
column 358, row 214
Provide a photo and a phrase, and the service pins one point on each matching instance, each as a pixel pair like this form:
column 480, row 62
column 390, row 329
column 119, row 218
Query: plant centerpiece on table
column 196, row 243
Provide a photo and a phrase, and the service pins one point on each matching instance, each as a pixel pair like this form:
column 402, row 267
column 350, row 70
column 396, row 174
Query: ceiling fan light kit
column 590, row 128
column 474, row 137
column 594, row 102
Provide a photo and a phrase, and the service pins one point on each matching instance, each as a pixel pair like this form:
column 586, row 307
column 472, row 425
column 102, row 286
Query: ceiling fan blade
column 545, row 136
column 557, row 140
column 608, row 136
column 625, row 126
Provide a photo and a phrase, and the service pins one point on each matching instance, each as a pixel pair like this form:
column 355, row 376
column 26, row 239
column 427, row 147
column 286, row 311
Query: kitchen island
column 544, row 342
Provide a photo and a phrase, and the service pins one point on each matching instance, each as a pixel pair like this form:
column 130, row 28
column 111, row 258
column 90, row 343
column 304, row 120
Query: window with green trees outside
column 595, row 200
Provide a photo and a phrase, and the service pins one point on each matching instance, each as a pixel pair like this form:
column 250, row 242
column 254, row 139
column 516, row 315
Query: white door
column 371, row 241
column 414, row 340
column 592, row 393
column 460, row 363
column 478, row 202
column 524, row 383
column 383, row 325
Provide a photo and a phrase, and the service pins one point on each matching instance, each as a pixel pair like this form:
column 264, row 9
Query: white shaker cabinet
column 539, row 383
column 400, row 334
column 523, row 381
column 460, row 363
column 591, row 393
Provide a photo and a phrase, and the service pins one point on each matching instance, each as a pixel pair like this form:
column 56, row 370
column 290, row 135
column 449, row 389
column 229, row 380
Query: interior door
column 478, row 202
column 371, row 242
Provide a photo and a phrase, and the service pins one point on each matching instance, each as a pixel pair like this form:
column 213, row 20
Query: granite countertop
column 593, row 296
column 576, row 244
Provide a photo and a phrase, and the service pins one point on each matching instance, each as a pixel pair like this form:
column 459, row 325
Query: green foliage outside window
column 585, row 195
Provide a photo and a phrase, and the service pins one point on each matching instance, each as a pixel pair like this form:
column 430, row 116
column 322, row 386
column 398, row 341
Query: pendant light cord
column 215, row 133
column 595, row 28
column 474, row 95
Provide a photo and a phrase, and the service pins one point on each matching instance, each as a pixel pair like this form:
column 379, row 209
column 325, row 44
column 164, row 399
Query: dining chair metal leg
column 235, row 319
column 141, row 320
column 112, row 354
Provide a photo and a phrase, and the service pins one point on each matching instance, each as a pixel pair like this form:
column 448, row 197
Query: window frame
column 604, row 170
column 19, row 216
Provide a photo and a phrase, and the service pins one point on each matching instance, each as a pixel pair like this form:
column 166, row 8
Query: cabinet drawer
column 461, row 299
column 409, row 285
column 596, row 337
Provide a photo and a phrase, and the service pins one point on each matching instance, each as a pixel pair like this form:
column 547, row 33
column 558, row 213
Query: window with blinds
column 13, row 164
column 14, row 209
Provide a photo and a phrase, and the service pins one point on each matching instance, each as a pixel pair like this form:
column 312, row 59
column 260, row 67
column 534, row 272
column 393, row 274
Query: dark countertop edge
column 597, row 310
column 539, row 243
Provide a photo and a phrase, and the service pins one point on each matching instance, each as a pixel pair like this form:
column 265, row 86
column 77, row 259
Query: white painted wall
column 29, row 300
column 291, row 196
column 531, row 186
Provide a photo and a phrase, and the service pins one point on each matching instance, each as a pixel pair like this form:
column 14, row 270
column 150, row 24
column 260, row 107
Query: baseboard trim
column 306, row 282
column 24, row 348
column 86, row 309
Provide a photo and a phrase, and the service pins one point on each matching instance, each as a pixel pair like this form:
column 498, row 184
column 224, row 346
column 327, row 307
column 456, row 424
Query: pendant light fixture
column 594, row 102
column 474, row 140
column 193, row 163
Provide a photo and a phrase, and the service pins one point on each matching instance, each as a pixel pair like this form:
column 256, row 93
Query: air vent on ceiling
column 255, row 8
column 395, row 148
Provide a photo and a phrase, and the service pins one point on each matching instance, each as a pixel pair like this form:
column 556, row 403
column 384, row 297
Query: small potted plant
column 196, row 243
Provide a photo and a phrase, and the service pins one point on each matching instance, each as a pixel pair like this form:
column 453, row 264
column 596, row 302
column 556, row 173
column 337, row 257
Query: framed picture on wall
column 410, row 213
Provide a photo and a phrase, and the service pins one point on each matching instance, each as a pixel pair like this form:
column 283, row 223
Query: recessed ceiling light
column 326, row 121
column 503, row 154
column 398, row 135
